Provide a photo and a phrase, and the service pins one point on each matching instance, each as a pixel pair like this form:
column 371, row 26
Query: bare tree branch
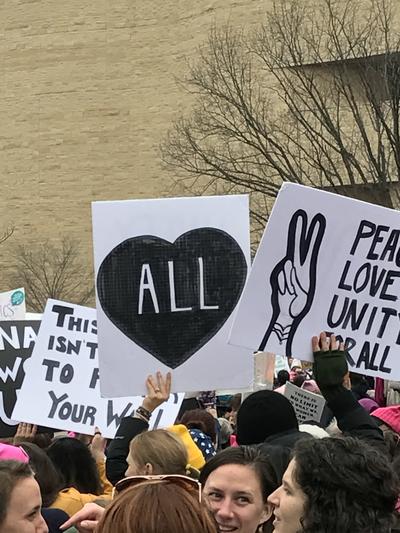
column 52, row 271
column 311, row 96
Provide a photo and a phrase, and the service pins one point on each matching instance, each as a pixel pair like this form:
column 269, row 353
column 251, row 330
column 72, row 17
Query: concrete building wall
column 87, row 91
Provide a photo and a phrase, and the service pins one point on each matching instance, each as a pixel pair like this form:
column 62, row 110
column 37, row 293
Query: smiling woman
column 20, row 500
column 236, row 485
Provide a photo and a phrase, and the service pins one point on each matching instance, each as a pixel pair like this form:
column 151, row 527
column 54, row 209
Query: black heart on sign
column 172, row 298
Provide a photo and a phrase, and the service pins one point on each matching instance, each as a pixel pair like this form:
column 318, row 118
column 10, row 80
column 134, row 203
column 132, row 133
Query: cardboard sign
column 308, row 406
column 61, row 387
column 16, row 343
column 326, row 263
column 264, row 365
column 169, row 274
column 12, row 305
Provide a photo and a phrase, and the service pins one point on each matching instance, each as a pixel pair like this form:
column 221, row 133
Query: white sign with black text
column 307, row 405
column 61, row 384
column 169, row 274
column 326, row 263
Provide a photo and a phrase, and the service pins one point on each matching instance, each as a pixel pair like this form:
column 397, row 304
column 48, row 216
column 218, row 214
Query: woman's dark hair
column 349, row 486
column 45, row 472
column 202, row 420
column 75, row 465
column 259, row 458
column 11, row 472
column 262, row 459
column 282, row 377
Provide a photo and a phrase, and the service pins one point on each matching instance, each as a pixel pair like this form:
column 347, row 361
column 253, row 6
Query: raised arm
column 158, row 391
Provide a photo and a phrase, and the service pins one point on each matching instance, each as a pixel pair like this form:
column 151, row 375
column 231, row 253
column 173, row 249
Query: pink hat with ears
column 13, row 453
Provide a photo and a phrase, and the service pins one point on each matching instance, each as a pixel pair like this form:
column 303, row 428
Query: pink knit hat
column 389, row 416
column 13, row 453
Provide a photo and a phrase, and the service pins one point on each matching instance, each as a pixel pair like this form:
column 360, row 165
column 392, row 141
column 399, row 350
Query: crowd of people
column 234, row 467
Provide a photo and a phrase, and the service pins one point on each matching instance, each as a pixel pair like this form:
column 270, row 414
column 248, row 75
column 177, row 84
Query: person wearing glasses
column 146, row 504
column 149, row 504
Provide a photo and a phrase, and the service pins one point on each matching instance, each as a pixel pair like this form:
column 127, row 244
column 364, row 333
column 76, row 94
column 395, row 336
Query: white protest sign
column 326, row 263
column 61, row 385
column 12, row 305
column 307, row 405
column 169, row 274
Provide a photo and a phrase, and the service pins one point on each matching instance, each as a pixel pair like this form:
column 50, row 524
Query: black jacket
column 118, row 449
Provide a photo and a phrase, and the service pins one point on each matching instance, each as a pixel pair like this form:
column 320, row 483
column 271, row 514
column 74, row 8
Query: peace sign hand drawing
column 293, row 280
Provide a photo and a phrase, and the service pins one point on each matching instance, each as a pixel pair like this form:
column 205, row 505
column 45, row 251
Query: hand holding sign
column 98, row 446
column 25, row 433
column 330, row 365
column 293, row 279
column 158, row 391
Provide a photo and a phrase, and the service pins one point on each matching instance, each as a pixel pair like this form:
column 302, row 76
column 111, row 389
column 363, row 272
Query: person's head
column 282, row 377
column 157, row 452
column 263, row 414
column 236, row 484
column 299, row 379
column 20, row 500
column 294, row 372
column 336, row 484
column 202, row 420
column 45, row 472
column 75, row 465
column 151, row 506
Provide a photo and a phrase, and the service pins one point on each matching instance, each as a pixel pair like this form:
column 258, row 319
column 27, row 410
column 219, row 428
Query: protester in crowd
column 170, row 504
column 81, row 472
column 158, row 391
column 230, row 408
column 45, row 472
column 299, row 378
column 45, row 475
column 236, row 484
column 166, row 504
column 336, row 484
column 282, row 377
column 295, row 370
column 265, row 416
column 202, row 427
column 226, row 432
column 157, row 452
column 20, row 500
